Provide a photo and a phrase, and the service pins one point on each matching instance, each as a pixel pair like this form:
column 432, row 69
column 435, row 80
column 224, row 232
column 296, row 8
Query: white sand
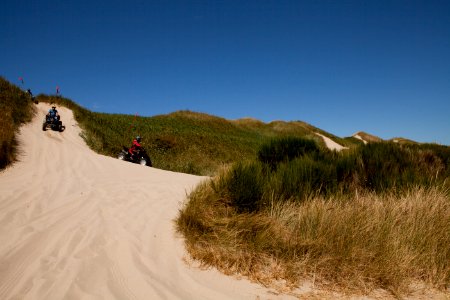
column 332, row 145
column 360, row 138
column 78, row 225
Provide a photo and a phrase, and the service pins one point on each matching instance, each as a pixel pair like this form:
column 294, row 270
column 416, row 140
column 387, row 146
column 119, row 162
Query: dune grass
column 374, row 217
column 15, row 109
column 358, row 243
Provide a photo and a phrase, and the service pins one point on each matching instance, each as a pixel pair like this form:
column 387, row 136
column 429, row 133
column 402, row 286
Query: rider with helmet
column 135, row 147
column 52, row 114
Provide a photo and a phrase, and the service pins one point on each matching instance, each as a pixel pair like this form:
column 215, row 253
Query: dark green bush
column 295, row 169
column 302, row 178
column 389, row 165
column 245, row 185
column 286, row 149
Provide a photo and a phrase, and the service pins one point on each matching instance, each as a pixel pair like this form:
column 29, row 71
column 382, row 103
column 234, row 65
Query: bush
column 392, row 166
column 294, row 169
column 245, row 186
column 303, row 178
column 285, row 149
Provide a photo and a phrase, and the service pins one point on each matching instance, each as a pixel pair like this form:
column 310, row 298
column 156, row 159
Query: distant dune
column 366, row 137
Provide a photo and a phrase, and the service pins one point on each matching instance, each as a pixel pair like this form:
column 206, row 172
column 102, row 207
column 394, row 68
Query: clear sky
column 344, row 66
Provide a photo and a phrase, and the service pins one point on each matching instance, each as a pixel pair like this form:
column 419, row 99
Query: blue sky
column 344, row 66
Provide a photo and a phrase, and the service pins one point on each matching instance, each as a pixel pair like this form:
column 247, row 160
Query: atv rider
column 135, row 147
column 53, row 115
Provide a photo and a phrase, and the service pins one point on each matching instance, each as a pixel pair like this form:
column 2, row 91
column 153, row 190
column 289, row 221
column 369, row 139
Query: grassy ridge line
column 182, row 141
column 15, row 109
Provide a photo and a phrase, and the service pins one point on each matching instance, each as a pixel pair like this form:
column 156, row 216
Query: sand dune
column 78, row 225
column 332, row 145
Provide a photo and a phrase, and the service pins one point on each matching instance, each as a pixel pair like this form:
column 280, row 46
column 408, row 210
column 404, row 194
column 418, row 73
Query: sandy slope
column 332, row 145
column 78, row 225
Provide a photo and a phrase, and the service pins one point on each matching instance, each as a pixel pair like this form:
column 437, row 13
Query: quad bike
column 141, row 157
column 52, row 123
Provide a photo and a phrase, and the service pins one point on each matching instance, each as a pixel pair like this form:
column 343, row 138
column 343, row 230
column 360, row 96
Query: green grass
column 182, row 141
column 15, row 109
column 296, row 169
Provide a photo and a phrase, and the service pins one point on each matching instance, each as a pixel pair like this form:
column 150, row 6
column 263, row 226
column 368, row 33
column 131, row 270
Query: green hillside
column 184, row 141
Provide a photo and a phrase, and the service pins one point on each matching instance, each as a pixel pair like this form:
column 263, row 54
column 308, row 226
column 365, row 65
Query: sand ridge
column 78, row 225
column 332, row 145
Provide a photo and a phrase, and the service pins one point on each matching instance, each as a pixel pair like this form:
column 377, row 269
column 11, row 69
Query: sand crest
column 78, row 225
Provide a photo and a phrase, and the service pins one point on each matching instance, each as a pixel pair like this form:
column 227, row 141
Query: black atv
column 141, row 157
column 54, row 123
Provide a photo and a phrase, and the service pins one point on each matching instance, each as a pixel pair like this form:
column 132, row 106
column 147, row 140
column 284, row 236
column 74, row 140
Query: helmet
column 53, row 107
column 138, row 139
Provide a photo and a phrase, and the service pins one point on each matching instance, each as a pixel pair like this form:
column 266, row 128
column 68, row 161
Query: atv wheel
column 44, row 126
column 121, row 156
column 143, row 162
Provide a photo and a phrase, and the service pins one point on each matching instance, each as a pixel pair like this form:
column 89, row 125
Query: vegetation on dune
column 375, row 216
column 283, row 206
column 368, row 137
column 15, row 109
column 296, row 169
column 359, row 243
column 182, row 141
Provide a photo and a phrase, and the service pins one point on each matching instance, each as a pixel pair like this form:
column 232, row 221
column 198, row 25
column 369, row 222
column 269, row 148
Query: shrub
column 245, row 186
column 285, row 149
column 293, row 169
column 302, row 178
column 392, row 166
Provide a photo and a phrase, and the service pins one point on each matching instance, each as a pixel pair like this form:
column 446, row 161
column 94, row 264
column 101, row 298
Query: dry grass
column 356, row 245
